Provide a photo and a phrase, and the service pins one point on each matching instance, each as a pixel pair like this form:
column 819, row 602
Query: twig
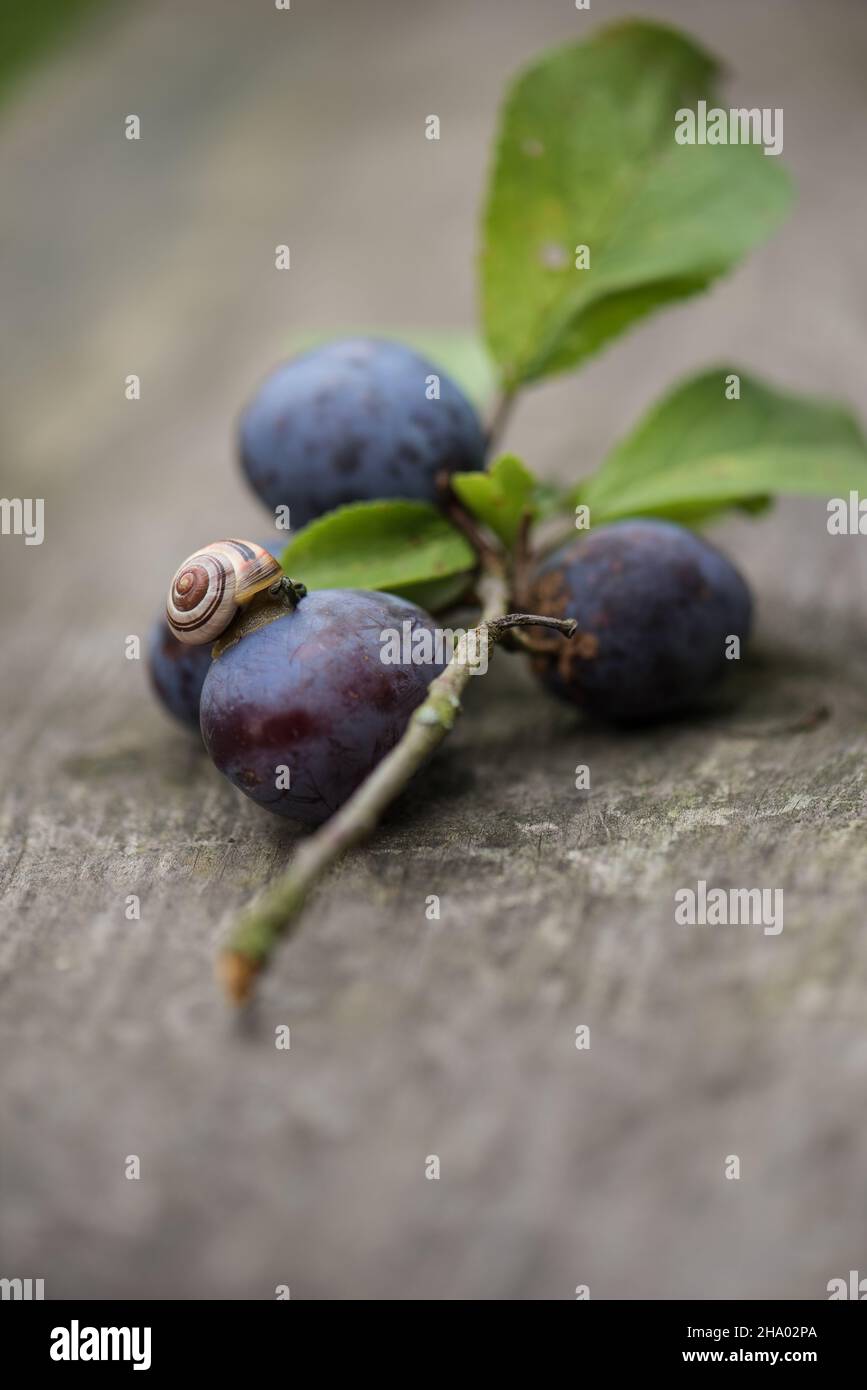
column 522, row 561
column 567, row 627
column 490, row 558
column 267, row 920
column 499, row 419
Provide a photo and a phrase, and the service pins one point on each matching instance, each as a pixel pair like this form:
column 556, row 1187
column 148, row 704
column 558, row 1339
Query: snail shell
column 212, row 584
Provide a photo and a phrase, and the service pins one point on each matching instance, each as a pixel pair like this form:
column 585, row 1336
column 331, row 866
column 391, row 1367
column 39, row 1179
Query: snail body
column 213, row 583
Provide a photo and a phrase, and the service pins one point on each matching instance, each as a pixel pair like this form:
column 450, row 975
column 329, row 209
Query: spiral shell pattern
column 213, row 583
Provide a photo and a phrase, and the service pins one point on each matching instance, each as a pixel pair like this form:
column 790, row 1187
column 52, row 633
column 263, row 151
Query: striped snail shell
column 212, row 584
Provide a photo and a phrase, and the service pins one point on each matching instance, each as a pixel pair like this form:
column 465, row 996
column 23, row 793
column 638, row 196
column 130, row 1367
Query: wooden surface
column 408, row 1037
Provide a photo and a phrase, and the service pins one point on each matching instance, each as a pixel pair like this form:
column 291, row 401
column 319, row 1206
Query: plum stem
column 267, row 919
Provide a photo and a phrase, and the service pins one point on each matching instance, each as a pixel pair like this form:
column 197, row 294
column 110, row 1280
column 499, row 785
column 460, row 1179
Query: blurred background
column 156, row 257
column 263, row 126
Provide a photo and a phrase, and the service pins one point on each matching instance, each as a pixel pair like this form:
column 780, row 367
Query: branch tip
column 236, row 973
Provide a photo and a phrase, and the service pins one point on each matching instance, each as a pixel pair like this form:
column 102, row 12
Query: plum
column 351, row 421
column 177, row 672
column 655, row 605
column 307, row 692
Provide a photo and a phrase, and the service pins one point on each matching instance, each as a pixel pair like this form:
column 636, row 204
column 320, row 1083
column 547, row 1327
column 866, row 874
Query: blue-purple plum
column 656, row 605
column 306, row 699
column 351, row 421
column 177, row 672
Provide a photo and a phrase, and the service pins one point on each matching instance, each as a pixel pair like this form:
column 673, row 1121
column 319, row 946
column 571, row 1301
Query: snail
column 215, row 582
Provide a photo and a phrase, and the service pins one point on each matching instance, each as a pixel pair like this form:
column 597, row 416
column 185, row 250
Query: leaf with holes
column 586, row 156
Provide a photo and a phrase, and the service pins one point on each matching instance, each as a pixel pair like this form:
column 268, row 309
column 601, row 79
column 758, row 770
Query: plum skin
column 351, row 422
column 308, row 691
column 655, row 604
column 177, row 672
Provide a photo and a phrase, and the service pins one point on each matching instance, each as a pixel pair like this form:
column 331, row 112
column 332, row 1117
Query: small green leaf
column 498, row 497
column 459, row 354
column 587, row 156
column 697, row 452
column 406, row 548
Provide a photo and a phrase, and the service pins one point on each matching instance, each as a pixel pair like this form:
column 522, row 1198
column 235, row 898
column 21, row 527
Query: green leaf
column 406, row 548
column 498, row 497
column 697, row 452
column 459, row 354
column 586, row 155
